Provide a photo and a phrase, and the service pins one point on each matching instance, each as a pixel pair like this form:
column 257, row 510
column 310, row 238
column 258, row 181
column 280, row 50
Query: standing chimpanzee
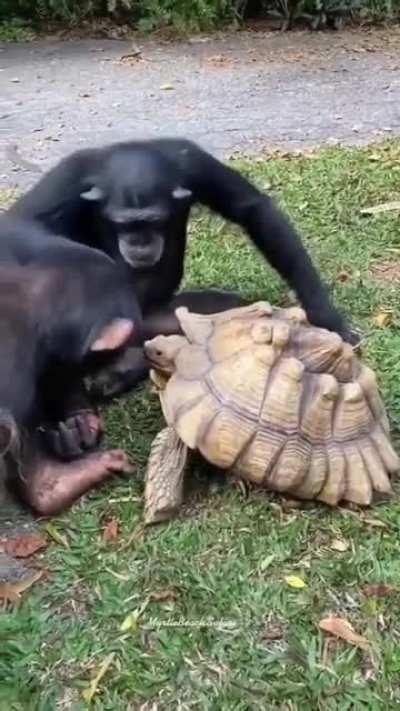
column 133, row 199
column 64, row 308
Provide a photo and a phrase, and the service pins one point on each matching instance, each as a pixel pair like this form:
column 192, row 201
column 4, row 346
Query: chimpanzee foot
column 53, row 486
column 73, row 438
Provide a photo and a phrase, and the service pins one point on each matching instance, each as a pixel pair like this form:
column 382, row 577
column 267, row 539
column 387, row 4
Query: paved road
column 243, row 92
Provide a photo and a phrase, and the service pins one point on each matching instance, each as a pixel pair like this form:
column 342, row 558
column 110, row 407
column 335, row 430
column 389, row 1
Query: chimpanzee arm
column 55, row 199
column 227, row 192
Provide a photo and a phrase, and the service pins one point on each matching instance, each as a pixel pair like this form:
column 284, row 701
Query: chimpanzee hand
column 325, row 317
column 120, row 376
column 80, row 432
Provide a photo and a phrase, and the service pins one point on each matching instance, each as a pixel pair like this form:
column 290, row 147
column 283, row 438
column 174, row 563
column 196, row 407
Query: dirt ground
column 245, row 91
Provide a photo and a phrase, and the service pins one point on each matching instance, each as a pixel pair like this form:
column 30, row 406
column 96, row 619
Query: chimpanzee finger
column 89, row 435
column 63, row 444
column 70, row 441
column 52, row 440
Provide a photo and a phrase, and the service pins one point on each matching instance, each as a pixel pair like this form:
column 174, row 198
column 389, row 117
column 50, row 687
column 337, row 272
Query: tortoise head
column 162, row 351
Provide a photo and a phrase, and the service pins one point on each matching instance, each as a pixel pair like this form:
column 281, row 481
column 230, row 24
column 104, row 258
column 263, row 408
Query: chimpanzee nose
column 140, row 240
column 135, row 239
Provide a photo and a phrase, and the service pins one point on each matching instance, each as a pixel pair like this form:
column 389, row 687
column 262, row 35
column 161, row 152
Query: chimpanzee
column 64, row 308
column 133, row 200
column 65, row 311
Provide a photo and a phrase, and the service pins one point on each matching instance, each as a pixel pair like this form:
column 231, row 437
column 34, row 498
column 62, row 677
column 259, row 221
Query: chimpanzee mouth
column 139, row 256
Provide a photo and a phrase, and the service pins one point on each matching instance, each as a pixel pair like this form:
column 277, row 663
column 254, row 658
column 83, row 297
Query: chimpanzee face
column 138, row 199
column 140, row 233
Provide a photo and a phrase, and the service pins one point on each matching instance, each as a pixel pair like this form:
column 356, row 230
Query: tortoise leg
column 164, row 476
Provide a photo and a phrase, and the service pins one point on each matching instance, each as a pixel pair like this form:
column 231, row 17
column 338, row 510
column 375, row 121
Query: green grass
column 226, row 557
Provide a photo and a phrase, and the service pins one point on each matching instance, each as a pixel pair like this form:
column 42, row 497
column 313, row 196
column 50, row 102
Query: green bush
column 191, row 15
column 146, row 14
column 187, row 16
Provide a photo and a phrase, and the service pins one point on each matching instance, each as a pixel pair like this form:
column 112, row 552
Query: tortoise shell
column 280, row 403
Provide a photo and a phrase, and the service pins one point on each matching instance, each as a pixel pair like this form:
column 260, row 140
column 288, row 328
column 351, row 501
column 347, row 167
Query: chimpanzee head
column 139, row 195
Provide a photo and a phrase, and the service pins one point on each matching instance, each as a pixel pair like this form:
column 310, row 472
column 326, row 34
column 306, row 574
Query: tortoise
column 281, row 404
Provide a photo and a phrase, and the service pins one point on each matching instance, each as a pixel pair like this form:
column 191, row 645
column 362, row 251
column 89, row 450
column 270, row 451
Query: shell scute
column 283, row 404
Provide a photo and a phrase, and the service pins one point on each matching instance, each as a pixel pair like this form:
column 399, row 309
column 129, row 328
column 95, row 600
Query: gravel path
column 243, row 92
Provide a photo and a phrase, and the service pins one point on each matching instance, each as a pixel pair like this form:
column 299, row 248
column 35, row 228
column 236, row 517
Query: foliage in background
column 196, row 15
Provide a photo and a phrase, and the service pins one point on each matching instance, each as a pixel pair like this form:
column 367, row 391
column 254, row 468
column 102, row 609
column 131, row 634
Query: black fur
column 138, row 199
column 56, row 297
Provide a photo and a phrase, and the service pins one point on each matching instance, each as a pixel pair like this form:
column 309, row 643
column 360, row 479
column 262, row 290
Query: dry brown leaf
column 386, row 271
column 11, row 592
column 338, row 544
column 219, row 60
column 375, row 522
column 384, row 207
column 378, row 590
column 383, row 318
column 273, row 631
column 24, row 546
column 167, row 595
column 341, row 628
column 111, row 530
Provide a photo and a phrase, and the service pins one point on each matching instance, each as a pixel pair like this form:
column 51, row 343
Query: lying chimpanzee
column 63, row 309
column 133, row 200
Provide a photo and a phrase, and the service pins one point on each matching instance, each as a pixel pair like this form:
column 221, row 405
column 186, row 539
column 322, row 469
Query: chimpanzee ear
column 114, row 335
column 180, row 193
column 94, row 194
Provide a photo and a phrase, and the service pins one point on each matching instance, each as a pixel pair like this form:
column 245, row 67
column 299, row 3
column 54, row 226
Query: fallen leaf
column 11, row 592
column 167, row 595
column 198, row 40
column 384, row 207
column 383, row 318
column 89, row 693
column 273, row 631
column 341, row 628
column 167, row 87
column 338, row 544
column 375, row 522
column 24, row 546
column 343, row 277
column 378, row 590
column 266, row 562
column 219, row 60
column 55, row 534
column 118, row 576
column 295, row 582
column 111, row 530
column 130, row 622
